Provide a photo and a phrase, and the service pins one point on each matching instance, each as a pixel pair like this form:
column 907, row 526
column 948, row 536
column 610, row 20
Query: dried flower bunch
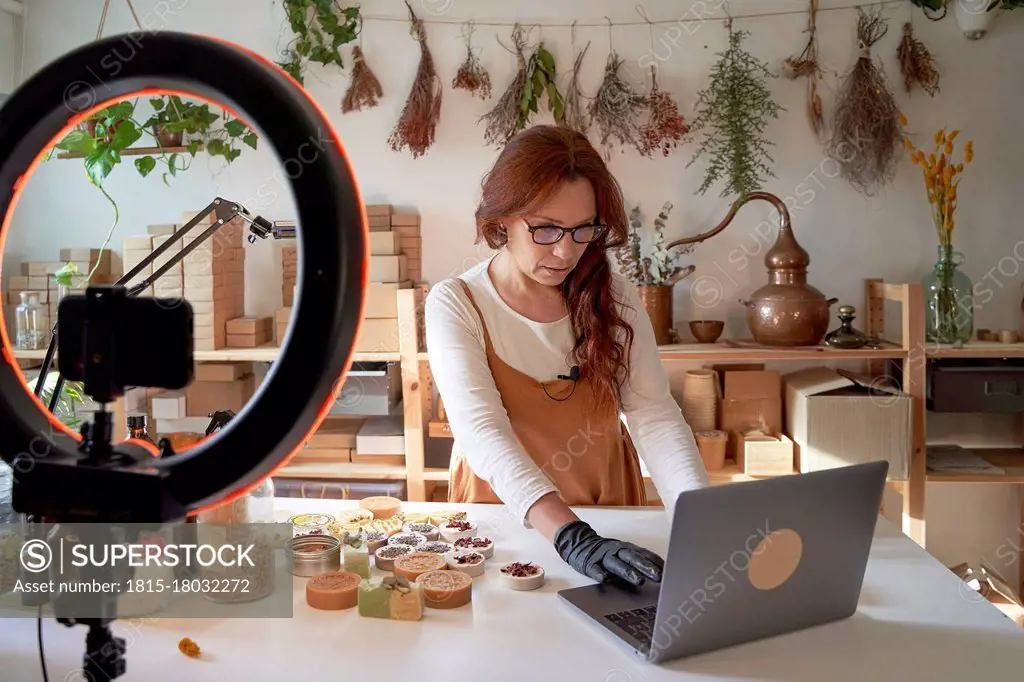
column 472, row 76
column 665, row 127
column 502, row 122
column 575, row 112
column 733, row 112
column 616, row 108
column 364, row 90
column 917, row 63
column 806, row 65
column 941, row 177
column 659, row 267
column 417, row 125
column 865, row 125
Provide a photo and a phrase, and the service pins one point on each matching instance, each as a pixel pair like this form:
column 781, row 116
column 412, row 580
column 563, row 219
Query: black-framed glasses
column 546, row 235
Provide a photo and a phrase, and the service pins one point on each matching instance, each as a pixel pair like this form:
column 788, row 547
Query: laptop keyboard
column 639, row 623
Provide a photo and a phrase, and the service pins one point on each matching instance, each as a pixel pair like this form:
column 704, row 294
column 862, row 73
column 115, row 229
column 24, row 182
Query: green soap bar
column 374, row 600
column 357, row 561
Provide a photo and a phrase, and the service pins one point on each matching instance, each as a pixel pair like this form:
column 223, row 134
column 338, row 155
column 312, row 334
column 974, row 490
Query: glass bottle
column 846, row 336
column 138, row 429
column 31, row 322
column 949, row 300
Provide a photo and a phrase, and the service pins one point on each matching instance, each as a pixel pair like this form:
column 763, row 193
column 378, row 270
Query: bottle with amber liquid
column 138, row 430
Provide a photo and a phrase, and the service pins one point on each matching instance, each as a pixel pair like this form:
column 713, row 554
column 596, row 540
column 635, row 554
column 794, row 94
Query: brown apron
column 584, row 450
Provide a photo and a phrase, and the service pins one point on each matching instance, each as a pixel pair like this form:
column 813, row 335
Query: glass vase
column 949, row 300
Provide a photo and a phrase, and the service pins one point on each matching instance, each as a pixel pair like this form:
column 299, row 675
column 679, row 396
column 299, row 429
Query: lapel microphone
column 574, row 374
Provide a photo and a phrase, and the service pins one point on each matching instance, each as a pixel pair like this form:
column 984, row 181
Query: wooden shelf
column 435, row 474
column 343, row 470
column 440, row 430
column 260, row 354
column 135, row 151
column 731, row 474
column 1009, row 459
column 976, row 349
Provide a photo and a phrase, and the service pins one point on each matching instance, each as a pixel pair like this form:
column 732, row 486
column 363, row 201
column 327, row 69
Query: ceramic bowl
column 706, row 331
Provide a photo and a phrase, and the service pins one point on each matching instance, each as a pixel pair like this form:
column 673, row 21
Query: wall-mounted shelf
column 976, row 349
column 135, row 151
column 1010, row 460
column 268, row 353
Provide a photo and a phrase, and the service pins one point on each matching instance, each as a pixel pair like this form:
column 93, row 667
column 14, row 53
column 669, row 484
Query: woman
column 539, row 350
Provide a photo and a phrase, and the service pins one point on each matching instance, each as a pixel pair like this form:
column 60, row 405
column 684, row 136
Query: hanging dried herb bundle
column 807, row 66
column 865, row 127
column 733, row 113
column 665, row 127
column 540, row 80
column 503, row 120
column 418, row 123
column 916, row 63
column 616, row 108
column 575, row 113
column 472, row 76
column 364, row 90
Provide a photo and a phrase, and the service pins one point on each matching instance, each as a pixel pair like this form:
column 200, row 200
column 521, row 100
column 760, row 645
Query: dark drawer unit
column 975, row 385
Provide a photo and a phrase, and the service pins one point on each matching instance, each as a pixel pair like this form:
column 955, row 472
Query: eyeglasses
column 546, row 235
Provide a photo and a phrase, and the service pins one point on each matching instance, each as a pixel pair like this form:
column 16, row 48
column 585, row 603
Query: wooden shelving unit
column 1011, row 460
column 135, row 151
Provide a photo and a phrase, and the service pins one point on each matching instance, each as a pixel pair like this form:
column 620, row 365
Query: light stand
column 226, row 211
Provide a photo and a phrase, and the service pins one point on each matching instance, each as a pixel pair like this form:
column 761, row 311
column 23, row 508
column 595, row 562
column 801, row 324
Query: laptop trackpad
column 599, row 600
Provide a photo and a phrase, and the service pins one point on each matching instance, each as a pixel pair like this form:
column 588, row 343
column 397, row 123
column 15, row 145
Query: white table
column 914, row 623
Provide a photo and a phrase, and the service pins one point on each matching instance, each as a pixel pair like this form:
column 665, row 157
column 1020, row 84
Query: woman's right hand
column 606, row 559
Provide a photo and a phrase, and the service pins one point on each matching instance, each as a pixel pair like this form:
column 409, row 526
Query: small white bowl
column 487, row 548
column 413, row 540
column 524, row 583
column 427, row 530
column 473, row 568
column 452, row 534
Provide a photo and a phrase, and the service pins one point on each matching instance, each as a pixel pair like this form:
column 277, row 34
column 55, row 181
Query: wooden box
column 757, row 457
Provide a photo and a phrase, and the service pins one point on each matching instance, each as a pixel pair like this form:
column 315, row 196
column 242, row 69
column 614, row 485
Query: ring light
column 298, row 390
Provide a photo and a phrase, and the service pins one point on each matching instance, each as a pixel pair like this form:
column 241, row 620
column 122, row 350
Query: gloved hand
column 604, row 559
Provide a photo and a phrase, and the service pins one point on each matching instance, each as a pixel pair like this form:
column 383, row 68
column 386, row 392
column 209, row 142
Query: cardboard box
column 378, row 223
column 202, row 398
column 260, row 338
column 378, row 209
column 222, row 371
column 839, row 418
column 382, row 299
column 405, row 219
column 169, row 405
column 378, row 336
column 389, row 268
column 250, row 325
column 370, row 393
column 750, row 397
column 336, row 432
column 384, row 243
column 763, row 457
column 407, row 231
column 322, row 455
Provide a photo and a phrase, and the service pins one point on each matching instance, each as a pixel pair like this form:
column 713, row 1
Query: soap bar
column 413, row 540
column 416, row 517
column 391, row 598
column 522, row 576
column 483, row 545
column 446, row 589
column 354, row 516
column 382, row 507
column 436, row 547
column 412, row 566
column 470, row 563
column 384, row 558
column 356, row 556
column 375, row 540
column 439, row 518
column 457, row 529
column 333, row 591
column 427, row 530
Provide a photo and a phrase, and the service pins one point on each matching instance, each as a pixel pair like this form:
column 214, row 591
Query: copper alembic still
column 787, row 311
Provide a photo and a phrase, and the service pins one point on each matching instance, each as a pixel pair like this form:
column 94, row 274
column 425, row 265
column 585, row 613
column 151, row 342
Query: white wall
column 849, row 237
column 10, row 51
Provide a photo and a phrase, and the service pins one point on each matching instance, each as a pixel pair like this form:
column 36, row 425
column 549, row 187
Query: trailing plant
column 364, row 90
column 865, row 125
column 320, row 28
column 917, row 63
column 665, row 127
column 733, row 113
column 72, row 395
column 616, row 108
column 806, row 65
column 418, row 123
column 659, row 267
column 534, row 79
column 472, row 76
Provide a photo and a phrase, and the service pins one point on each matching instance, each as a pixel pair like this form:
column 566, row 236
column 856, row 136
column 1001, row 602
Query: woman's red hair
column 532, row 167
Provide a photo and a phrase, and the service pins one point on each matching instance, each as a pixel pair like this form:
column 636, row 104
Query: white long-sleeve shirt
column 542, row 350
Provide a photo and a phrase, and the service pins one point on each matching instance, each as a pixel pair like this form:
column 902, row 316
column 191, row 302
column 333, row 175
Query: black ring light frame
column 332, row 279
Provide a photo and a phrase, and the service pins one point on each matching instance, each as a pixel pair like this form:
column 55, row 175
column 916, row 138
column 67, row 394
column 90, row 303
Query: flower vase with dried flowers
column 656, row 274
column 948, row 292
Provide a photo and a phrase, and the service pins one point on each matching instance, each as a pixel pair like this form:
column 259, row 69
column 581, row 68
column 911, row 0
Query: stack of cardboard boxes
column 289, row 273
column 389, row 271
column 249, row 332
column 217, row 386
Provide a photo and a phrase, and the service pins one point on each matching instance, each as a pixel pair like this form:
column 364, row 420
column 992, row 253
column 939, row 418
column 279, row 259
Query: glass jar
column 31, row 323
column 949, row 300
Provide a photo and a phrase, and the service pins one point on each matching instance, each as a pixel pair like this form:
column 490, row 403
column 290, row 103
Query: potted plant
column 654, row 274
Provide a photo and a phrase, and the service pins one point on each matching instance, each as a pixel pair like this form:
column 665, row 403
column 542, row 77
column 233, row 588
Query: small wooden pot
column 712, row 448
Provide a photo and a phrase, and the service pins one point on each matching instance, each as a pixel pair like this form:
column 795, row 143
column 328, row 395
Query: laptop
column 747, row 561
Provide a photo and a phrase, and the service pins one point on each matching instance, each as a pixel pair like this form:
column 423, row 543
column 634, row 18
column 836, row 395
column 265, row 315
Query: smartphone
column 133, row 341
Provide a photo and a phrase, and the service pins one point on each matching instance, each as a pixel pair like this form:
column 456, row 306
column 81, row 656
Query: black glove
column 603, row 559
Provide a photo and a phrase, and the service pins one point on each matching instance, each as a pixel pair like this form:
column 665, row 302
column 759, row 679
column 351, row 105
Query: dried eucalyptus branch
column 575, row 113
column 917, row 63
column 616, row 107
column 502, row 122
column 866, row 134
column 364, row 90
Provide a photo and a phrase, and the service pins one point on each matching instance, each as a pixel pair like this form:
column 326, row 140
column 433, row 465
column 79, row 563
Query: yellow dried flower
column 952, row 135
column 969, row 151
column 908, row 144
column 903, row 119
column 959, row 168
column 940, row 136
column 949, row 147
